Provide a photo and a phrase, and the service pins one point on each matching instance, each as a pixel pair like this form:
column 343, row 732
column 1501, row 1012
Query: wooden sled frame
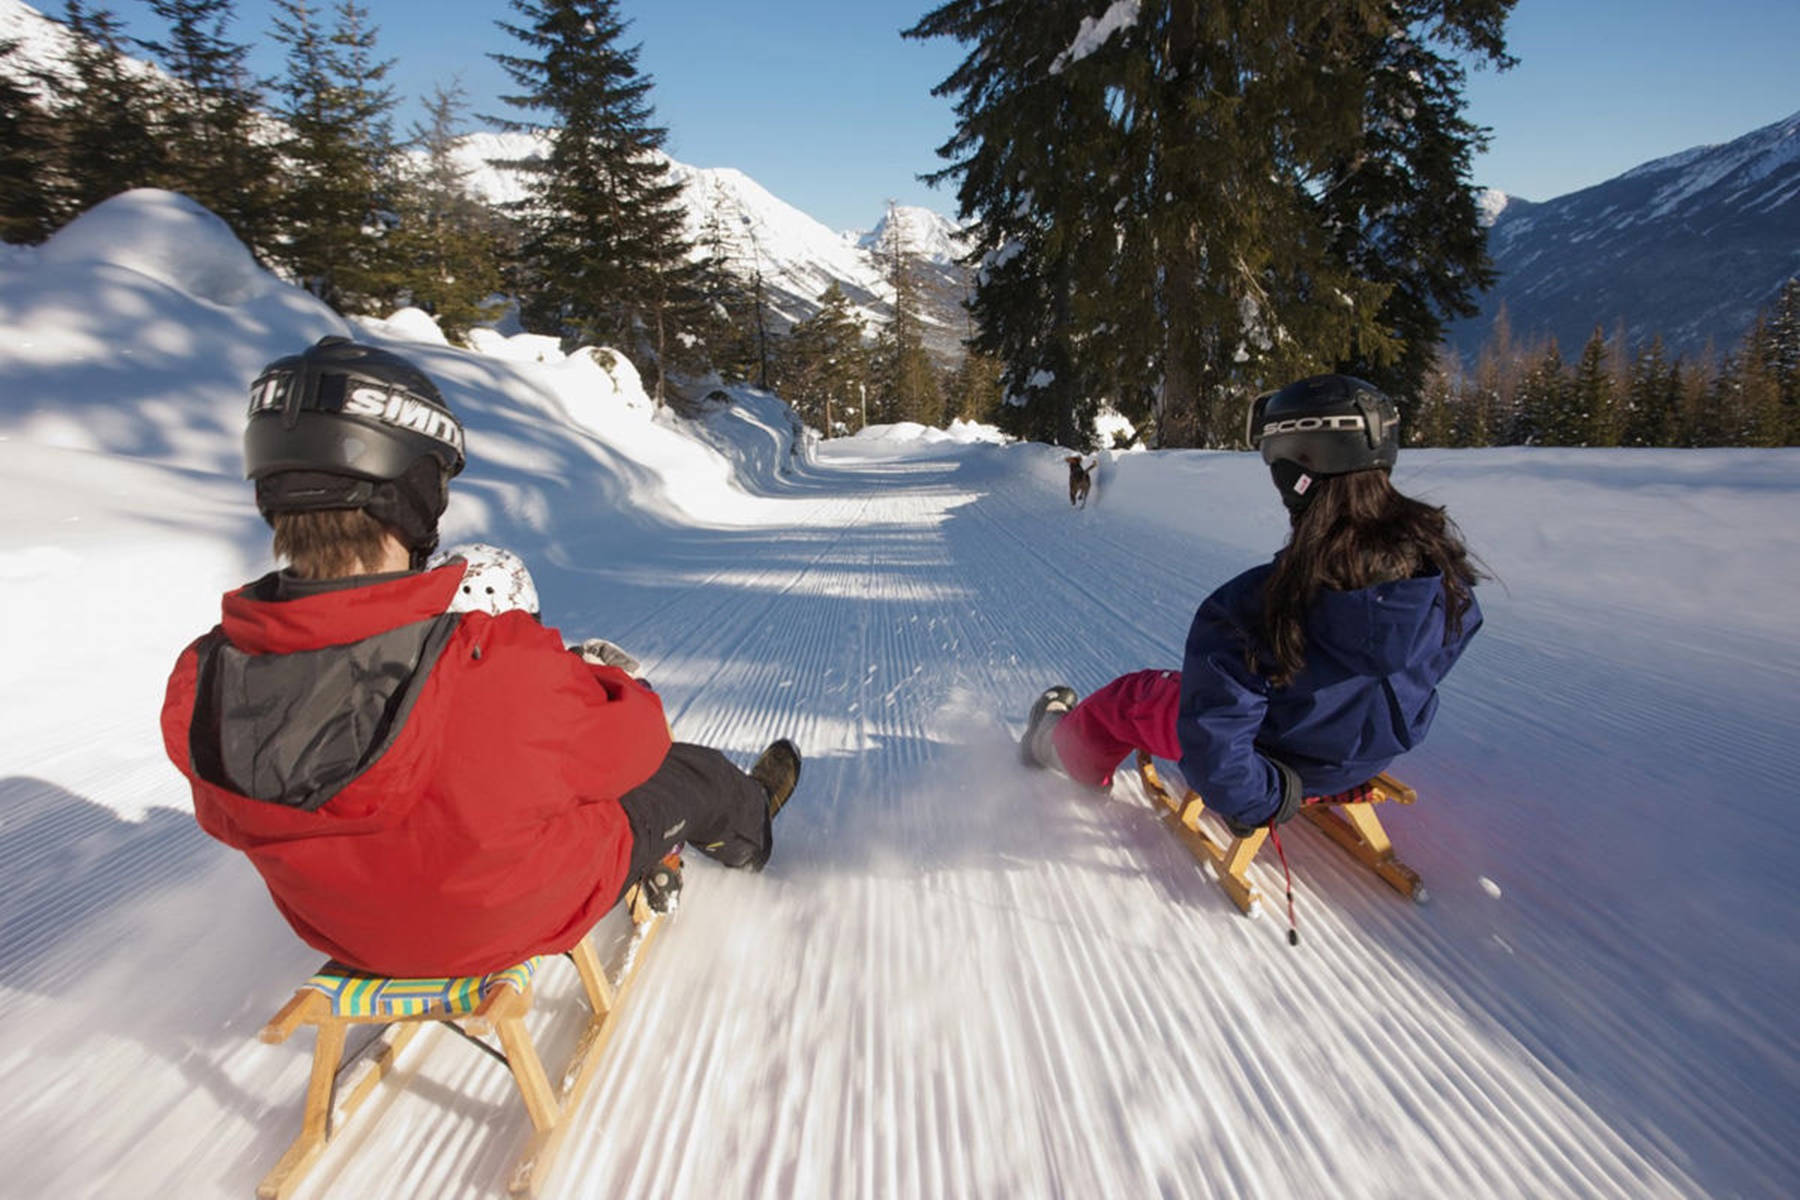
column 336, row 1090
column 1352, row 826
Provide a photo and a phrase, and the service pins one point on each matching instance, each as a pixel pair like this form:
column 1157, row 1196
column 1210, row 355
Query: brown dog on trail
column 1080, row 480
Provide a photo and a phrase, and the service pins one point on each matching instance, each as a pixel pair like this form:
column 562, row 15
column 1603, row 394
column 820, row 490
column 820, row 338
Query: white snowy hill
column 797, row 256
column 958, row 978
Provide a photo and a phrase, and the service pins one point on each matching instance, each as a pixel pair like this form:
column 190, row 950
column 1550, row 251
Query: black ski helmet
column 1319, row 426
column 344, row 425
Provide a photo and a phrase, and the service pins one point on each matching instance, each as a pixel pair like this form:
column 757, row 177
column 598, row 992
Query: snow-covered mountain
column 41, row 41
column 797, row 256
column 1690, row 246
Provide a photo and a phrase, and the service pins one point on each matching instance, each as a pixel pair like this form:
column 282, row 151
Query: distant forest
column 1615, row 394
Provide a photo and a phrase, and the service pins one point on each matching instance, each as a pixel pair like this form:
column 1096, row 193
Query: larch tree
column 447, row 244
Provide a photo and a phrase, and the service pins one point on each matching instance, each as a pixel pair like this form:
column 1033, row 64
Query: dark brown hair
column 1355, row 532
column 329, row 543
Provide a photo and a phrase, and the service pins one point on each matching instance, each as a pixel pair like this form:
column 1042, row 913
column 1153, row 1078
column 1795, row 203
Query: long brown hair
column 1355, row 532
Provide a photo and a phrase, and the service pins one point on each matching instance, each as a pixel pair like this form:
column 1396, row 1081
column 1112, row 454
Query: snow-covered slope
column 957, row 978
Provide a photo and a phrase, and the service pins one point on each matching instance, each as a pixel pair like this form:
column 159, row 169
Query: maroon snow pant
column 1133, row 712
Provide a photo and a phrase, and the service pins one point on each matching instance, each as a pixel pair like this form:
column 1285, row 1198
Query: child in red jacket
column 428, row 785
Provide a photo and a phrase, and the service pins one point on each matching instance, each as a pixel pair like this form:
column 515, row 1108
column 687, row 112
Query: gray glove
column 603, row 652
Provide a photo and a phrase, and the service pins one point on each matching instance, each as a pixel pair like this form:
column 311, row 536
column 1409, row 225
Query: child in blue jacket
column 1307, row 675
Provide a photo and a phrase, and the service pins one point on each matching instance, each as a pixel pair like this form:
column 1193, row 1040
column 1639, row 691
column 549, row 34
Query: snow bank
column 167, row 237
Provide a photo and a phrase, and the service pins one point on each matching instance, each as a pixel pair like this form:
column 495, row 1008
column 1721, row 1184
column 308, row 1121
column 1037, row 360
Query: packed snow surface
column 957, row 977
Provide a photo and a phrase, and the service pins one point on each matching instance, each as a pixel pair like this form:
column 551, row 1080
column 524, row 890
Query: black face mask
column 1295, row 483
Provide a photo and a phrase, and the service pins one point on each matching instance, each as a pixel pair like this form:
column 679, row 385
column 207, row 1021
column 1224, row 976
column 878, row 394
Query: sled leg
column 1231, row 863
column 1357, row 829
column 334, row 1091
column 534, row 1166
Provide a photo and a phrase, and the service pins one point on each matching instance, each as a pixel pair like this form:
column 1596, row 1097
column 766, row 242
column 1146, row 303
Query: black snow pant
column 700, row 797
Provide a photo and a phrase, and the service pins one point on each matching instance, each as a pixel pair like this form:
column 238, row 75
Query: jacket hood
column 297, row 698
column 257, row 623
column 1383, row 629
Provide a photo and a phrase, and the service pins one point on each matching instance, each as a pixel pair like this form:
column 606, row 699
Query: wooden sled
column 1349, row 820
column 338, row 997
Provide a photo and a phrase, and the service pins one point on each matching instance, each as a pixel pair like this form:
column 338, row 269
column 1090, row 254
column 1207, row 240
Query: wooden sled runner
column 338, row 997
column 1349, row 820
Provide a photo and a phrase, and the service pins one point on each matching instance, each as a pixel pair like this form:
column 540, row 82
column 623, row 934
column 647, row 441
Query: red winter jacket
column 425, row 793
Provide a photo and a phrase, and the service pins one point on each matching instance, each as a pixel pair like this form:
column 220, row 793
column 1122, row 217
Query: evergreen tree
column 1701, row 422
column 1753, row 393
column 1494, row 417
column 1434, row 418
column 1540, row 414
column 208, row 124
column 729, row 277
column 106, row 117
column 447, row 243
column 1402, row 200
column 973, row 391
column 1035, row 168
column 1781, row 353
column 27, row 155
column 1212, row 200
column 906, row 383
column 1595, row 415
column 822, row 366
column 339, row 160
column 605, row 256
column 1652, row 408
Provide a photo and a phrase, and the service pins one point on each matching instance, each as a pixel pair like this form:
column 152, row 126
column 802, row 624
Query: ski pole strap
column 1288, row 878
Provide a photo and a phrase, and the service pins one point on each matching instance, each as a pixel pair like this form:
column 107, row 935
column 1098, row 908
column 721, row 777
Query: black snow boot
column 1035, row 748
column 778, row 770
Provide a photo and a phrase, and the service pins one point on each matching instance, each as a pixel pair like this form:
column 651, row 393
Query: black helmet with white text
column 346, row 425
column 1321, row 426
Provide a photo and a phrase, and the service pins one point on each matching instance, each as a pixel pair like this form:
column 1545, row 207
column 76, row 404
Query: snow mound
column 408, row 324
column 167, row 237
column 912, row 431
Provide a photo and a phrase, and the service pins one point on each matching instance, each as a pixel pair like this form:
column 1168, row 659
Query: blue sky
column 822, row 103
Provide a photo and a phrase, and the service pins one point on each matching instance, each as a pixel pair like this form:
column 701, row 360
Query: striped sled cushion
column 356, row 993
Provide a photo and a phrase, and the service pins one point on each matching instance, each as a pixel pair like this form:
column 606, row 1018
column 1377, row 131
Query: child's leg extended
column 1133, row 712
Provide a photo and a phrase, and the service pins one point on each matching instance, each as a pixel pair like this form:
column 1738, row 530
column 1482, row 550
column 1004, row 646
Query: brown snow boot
column 778, row 770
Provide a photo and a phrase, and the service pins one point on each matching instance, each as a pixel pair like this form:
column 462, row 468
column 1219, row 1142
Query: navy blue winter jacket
column 1367, row 693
